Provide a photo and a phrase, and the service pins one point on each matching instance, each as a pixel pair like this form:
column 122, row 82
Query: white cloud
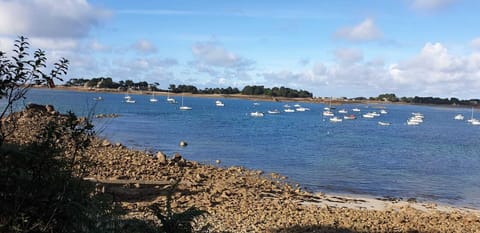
column 49, row 18
column 365, row 31
column 144, row 46
column 54, row 43
column 348, row 55
column 212, row 54
column 98, row 47
column 475, row 43
column 220, row 64
column 435, row 71
column 430, row 4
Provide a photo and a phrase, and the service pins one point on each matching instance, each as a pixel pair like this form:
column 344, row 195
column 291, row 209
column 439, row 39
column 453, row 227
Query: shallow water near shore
column 438, row 160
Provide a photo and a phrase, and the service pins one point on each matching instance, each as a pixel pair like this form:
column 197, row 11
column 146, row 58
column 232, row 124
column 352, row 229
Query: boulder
column 36, row 106
column 161, row 157
column 49, row 108
column 106, row 143
column 176, row 157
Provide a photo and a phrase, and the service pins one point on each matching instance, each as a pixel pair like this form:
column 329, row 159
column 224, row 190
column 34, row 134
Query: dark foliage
column 172, row 222
column 276, row 92
column 42, row 189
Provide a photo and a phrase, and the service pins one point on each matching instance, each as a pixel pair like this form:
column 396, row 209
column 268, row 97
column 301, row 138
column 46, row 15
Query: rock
column 118, row 144
column 36, row 107
column 412, row 200
column 183, row 143
column 161, row 157
column 106, row 143
column 49, row 108
column 176, row 157
column 182, row 162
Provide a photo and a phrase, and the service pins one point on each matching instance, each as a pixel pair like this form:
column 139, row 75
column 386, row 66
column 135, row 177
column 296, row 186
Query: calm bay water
column 438, row 160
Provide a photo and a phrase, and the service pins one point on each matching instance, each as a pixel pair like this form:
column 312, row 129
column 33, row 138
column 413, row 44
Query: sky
column 343, row 48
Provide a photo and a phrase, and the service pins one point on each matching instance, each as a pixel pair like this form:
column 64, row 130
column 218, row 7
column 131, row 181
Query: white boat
column 130, row 101
column 329, row 108
column 418, row 115
column 471, row 120
column 275, row 111
column 256, row 104
column 183, row 107
column 349, row 117
column 289, row 110
column 153, row 99
column 343, row 111
column 410, row 122
column 416, row 119
column 459, row 117
column 383, row 123
column 219, row 103
column 383, row 111
column 375, row 114
column 302, row 109
column 356, row 110
column 335, row 119
column 475, row 122
column 328, row 113
column 170, row 99
column 369, row 115
column 98, row 98
column 256, row 114
column 286, row 106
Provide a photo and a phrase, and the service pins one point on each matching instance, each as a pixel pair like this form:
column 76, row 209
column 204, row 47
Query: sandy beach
column 243, row 200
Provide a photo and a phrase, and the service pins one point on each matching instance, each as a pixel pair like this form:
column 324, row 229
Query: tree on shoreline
column 41, row 179
column 20, row 73
column 43, row 161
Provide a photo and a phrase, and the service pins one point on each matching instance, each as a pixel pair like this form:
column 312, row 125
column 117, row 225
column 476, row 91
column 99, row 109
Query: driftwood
column 133, row 190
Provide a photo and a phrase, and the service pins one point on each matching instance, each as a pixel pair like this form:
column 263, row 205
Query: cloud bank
column 49, row 18
column 433, row 71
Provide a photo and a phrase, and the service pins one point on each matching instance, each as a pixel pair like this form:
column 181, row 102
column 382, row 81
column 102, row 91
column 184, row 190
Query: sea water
column 438, row 160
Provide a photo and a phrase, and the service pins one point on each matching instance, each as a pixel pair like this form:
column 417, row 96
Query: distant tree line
column 107, row 82
column 276, row 92
column 423, row 100
column 194, row 90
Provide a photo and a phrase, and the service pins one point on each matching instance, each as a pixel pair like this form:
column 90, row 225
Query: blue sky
column 331, row 48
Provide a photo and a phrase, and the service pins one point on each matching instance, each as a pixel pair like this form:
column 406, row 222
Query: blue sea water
column 438, row 160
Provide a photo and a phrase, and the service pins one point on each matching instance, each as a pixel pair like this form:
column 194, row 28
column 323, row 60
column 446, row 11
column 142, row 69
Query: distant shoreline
column 335, row 102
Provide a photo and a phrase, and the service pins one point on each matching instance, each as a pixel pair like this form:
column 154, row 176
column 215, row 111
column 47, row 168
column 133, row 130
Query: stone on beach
column 106, row 143
column 161, row 157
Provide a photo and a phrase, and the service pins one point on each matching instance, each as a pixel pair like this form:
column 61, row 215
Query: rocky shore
column 242, row 200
